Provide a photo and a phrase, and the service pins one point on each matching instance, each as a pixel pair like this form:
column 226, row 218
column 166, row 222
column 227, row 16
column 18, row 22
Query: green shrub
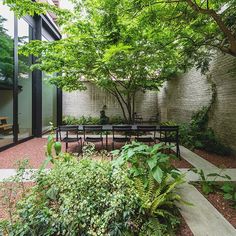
column 69, row 120
column 116, row 120
column 197, row 134
column 83, row 120
column 78, row 198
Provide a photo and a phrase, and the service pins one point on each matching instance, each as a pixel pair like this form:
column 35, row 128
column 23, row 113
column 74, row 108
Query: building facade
column 27, row 102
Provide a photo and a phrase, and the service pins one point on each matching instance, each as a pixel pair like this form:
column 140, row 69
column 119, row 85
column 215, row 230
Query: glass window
column 24, row 84
column 49, row 101
column 6, row 74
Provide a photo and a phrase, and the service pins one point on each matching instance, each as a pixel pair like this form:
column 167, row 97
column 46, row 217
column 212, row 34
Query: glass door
column 6, row 74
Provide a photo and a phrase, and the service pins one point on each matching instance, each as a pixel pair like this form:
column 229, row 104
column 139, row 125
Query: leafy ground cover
column 135, row 194
column 225, row 206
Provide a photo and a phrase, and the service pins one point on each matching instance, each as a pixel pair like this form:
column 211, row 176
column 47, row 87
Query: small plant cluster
column 133, row 195
column 83, row 120
column 209, row 184
column 196, row 134
column 155, row 181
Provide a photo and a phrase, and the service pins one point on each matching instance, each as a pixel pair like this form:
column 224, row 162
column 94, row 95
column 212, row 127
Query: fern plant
column 158, row 202
column 155, row 181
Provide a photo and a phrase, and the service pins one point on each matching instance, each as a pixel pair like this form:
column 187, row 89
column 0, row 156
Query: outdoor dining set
column 150, row 134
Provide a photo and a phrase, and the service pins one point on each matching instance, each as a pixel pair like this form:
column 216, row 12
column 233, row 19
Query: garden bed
column 181, row 163
column 12, row 192
column 217, row 160
column 116, row 187
column 222, row 205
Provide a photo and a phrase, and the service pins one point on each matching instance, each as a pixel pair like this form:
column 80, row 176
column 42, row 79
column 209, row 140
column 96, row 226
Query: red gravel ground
column 181, row 163
column 223, row 206
column 184, row 229
column 218, row 160
column 34, row 151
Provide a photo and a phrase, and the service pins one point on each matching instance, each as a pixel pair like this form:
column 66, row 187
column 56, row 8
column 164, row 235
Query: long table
column 106, row 129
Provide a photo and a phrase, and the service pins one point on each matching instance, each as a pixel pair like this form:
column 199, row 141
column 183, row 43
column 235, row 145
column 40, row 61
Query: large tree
column 126, row 46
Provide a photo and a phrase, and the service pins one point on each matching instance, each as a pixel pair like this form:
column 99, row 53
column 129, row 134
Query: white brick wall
column 91, row 101
column 181, row 96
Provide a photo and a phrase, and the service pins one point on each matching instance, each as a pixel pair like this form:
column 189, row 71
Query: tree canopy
column 6, row 56
column 200, row 27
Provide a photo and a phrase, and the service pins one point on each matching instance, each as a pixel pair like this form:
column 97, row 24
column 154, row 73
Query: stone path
column 202, row 217
column 8, row 173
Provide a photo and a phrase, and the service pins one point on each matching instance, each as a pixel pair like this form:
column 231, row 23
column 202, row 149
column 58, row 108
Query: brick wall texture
column 91, row 101
column 181, row 96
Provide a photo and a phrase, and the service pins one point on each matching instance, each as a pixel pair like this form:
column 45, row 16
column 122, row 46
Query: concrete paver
column 195, row 160
column 202, row 218
column 8, row 173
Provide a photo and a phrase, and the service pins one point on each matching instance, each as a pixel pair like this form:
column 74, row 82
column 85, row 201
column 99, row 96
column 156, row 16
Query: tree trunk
column 126, row 104
column 133, row 107
column 122, row 108
column 129, row 109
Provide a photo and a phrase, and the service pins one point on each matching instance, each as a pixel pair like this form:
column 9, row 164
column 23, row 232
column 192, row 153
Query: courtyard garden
column 144, row 139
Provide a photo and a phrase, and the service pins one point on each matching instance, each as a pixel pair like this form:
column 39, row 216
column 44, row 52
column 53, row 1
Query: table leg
column 56, row 134
column 106, row 140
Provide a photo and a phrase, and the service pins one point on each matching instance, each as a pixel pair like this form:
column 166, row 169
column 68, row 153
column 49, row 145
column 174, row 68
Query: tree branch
column 215, row 16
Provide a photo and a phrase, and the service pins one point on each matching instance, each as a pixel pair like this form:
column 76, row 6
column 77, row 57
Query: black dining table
column 106, row 129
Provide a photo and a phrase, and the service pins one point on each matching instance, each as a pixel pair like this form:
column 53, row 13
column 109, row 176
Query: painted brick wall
column 91, row 101
column 180, row 97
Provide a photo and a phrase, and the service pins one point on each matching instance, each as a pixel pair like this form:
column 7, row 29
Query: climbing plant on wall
column 197, row 133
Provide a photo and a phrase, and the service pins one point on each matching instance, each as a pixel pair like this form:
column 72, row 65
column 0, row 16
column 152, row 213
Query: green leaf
column 152, row 162
column 157, row 174
column 228, row 196
column 52, row 193
column 207, row 188
column 227, row 187
column 130, row 153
